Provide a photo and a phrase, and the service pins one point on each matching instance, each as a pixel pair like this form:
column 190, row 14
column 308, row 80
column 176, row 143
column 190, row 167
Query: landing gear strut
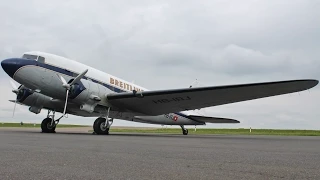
column 49, row 125
column 184, row 130
column 102, row 125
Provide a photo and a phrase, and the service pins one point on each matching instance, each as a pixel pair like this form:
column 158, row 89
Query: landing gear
column 102, row 125
column 49, row 125
column 184, row 130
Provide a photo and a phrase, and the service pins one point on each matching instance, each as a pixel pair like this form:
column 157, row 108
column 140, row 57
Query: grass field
column 29, row 125
column 224, row 131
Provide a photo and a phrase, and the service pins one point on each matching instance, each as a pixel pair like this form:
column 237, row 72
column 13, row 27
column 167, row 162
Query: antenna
column 194, row 83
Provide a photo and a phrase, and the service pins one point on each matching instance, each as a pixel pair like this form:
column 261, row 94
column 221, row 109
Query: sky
column 169, row 44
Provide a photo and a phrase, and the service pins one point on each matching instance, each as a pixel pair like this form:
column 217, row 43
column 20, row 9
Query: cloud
column 240, row 61
column 168, row 44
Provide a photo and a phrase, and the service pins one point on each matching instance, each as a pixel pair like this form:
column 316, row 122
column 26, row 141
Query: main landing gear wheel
column 47, row 126
column 184, row 130
column 99, row 126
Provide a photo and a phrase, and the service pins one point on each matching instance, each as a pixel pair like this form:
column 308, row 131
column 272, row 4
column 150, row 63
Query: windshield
column 34, row 57
column 41, row 59
column 28, row 56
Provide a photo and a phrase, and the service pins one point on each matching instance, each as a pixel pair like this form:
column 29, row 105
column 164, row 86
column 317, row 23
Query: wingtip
column 313, row 82
column 307, row 83
column 235, row 121
column 316, row 82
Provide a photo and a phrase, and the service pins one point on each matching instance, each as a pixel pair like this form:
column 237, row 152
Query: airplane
column 59, row 84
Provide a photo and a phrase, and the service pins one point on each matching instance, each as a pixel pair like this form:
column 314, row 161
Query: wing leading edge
column 167, row 101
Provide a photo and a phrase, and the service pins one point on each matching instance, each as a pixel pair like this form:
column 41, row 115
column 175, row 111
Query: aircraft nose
column 10, row 66
column 7, row 66
column 5, row 63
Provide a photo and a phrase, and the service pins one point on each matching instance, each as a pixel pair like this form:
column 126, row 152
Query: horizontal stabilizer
column 213, row 119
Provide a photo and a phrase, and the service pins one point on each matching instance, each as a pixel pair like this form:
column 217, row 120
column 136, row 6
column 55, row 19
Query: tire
column 185, row 132
column 98, row 126
column 46, row 126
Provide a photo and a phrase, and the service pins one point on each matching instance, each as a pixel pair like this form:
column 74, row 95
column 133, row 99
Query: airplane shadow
column 112, row 134
column 120, row 134
column 154, row 135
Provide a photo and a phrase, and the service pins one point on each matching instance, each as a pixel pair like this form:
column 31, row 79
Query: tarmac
column 25, row 153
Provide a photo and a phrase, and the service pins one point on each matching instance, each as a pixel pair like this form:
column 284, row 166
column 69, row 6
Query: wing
column 167, row 101
column 213, row 119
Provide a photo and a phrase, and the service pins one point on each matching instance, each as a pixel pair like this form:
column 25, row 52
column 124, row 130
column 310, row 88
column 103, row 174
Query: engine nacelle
column 87, row 93
column 35, row 100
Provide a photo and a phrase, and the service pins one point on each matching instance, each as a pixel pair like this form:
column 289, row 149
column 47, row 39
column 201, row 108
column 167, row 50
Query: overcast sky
column 168, row 44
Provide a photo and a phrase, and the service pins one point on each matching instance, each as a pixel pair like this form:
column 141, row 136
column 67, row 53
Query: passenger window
column 41, row 59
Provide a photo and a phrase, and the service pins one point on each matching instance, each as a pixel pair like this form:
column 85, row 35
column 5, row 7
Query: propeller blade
column 14, row 86
column 16, row 91
column 14, row 108
column 21, row 87
column 62, row 79
column 64, row 82
column 68, row 86
column 66, row 103
column 78, row 77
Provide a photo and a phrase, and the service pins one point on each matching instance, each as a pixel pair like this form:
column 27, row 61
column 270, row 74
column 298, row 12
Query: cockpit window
column 28, row 56
column 34, row 57
column 41, row 59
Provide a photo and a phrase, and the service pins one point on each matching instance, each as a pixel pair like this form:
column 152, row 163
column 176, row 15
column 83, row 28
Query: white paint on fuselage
column 77, row 67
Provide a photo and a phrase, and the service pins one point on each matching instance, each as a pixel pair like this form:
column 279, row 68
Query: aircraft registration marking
column 175, row 99
column 171, row 116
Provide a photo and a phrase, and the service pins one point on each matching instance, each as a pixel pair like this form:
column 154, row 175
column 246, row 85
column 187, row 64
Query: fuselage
column 39, row 71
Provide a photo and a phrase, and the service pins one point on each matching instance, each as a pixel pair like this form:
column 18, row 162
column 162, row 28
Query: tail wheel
column 100, row 127
column 46, row 126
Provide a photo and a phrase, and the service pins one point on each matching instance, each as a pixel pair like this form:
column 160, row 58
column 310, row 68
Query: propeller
column 15, row 90
column 67, row 86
